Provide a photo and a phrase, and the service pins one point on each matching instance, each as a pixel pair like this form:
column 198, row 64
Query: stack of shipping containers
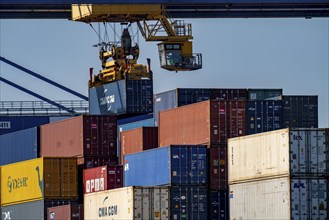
column 281, row 174
column 183, row 162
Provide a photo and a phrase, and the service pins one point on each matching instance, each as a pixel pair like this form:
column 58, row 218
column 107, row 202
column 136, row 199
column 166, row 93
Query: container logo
column 126, row 166
column 299, row 185
column 6, row 215
column 52, row 216
column 107, row 210
column 40, row 182
column 297, row 137
column 95, row 185
column 5, row 125
column 107, row 100
column 17, row 183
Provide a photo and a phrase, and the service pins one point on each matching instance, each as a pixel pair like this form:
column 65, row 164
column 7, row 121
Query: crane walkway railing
column 42, row 108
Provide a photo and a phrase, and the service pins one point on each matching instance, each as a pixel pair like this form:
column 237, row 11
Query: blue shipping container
column 149, row 122
column 10, row 124
column 19, row 146
column 122, row 97
column 218, row 205
column 173, row 165
column 264, row 115
column 188, row 202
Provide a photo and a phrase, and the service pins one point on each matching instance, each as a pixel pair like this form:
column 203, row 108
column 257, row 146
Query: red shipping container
column 190, row 124
column 232, row 120
column 102, row 178
column 218, row 167
column 90, row 162
column 137, row 140
column 67, row 212
column 81, row 136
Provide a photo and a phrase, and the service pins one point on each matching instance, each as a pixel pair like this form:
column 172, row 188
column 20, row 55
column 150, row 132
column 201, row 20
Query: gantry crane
column 175, row 47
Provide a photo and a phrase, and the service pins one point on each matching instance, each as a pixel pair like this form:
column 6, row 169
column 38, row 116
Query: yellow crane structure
column 175, row 47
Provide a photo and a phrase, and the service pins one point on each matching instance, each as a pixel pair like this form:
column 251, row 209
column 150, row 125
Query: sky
column 291, row 54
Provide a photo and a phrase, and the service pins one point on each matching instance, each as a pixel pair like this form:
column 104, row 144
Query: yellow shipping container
column 22, row 182
column 0, row 185
column 42, row 178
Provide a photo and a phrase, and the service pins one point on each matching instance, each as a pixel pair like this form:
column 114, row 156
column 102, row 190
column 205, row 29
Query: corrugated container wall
column 262, row 94
column 10, row 124
column 86, row 135
column 180, row 97
column 232, row 120
column 138, row 140
column 19, row 146
column 102, row 178
column 42, row 178
column 132, row 123
column 218, row 179
column 282, row 152
column 173, row 165
column 135, row 203
column 66, row 212
column 300, row 111
column 122, row 97
column 218, row 203
column 90, row 162
column 264, row 116
column 192, row 124
column 280, row 198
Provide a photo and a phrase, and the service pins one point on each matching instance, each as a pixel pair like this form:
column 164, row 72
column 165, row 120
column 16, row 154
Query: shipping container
column 19, row 146
column 264, row 116
column 10, row 124
column 85, row 135
column 66, row 212
column 218, row 179
column 180, row 97
column 262, row 94
column 186, row 202
column 232, row 120
column 132, row 123
column 36, row 210
column 191, row 124
column 276, row 153
column 300, row 111
column 172, row 165
column 102, row 178
column 137, row 140
column 128, row 203
column 122, row 97
column 280, row 198
column 90, row 162
column 218, row 203
column 37, row 179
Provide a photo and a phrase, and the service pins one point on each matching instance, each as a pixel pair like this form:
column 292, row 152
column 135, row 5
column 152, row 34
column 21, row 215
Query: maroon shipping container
column 218, row 167
column 102, row 178
column 81, row 136
column 137, row 140
column 66, row 212
column 90, row 162
column 232, row 120
column 190, row 124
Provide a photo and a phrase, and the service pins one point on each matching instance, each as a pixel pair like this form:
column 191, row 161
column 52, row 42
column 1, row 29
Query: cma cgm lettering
column 108, row 211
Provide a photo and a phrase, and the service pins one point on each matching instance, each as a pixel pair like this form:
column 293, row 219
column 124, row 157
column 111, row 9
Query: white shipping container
column 280, row 198
column 278, row 153
column 128, row 203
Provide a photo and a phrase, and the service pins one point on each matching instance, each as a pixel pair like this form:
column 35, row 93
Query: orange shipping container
column 137, row 140
column 191, row 124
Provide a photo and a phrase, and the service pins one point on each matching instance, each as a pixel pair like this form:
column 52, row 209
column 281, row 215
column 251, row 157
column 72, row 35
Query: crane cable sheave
column 175, row 47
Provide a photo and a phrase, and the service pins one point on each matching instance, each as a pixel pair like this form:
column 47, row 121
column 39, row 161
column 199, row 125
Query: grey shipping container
column 264, row 115
column 300, row 111
column 18, row 146
column 122, row 97
column 36, row 210
column 185, row 96
column 262, row 94
column 280, row 198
